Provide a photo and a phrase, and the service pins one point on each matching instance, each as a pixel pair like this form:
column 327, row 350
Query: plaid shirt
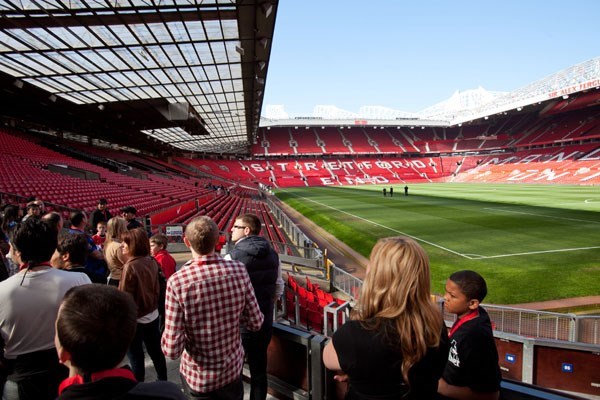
column 206, row 302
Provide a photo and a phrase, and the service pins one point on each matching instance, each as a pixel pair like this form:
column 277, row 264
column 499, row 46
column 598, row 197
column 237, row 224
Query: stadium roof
column 186, row 73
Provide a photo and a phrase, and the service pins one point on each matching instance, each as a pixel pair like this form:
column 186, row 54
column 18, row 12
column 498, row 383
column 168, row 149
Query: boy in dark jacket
column 472, row 370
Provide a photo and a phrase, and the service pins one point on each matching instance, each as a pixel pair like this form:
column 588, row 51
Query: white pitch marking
column 539, row 215
column 538, row 252
column 387, row 227
column 467, row 256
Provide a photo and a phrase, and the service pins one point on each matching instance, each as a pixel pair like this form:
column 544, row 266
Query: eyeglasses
column 239, row 227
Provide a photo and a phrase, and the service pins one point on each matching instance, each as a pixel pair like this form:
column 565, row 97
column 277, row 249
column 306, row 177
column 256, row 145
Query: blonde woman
column 112, row 253
column 395, row 345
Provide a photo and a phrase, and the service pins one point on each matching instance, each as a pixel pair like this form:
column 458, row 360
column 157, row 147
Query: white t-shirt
column 28, row 311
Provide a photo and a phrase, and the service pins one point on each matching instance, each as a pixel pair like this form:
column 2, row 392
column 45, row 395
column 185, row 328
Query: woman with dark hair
column 140, row 279
column 395, row 345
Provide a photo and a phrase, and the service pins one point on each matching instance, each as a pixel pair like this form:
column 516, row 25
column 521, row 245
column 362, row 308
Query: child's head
column 158, row 242
column 101, row 228
column 464, row 291
column 94, row 328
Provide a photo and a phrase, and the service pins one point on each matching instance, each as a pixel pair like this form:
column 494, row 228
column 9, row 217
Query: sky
column 409, row 55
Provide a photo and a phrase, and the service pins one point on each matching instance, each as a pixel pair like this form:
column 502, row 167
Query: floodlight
column 18, row 83
column 239, row 49
column 52, row 98
column 263, row 42
column 261, row 65
column 566, row 96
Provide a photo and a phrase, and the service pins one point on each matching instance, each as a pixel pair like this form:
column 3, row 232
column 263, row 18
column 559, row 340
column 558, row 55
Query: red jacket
column 166, row 262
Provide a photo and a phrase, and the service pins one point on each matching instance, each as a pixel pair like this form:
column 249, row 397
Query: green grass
column 530, row 242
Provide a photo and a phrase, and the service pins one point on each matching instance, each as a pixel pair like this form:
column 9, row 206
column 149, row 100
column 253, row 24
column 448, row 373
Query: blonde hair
column 115, row 227
column 395, row 298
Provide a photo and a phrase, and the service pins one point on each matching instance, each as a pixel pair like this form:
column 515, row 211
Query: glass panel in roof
column 142, row 34
column 129, row 58
column 195, row 31
column 204, row 53
column 74, row 37
column 135, row 78
column 238, row 85
column 171, row 56
column 160, row 76
column 113, row 35
column 218, row 51
column 30, row 62
column 224, row 71
column 120, row 80
column 8, row 43
column 77, row 63
column 213, row 30
column 9, row 70
column 227, row 85
column 49, row 84
column 190, row 55
column 37, row 38
column 199, row 74
column 211, row 72
column 162, row 34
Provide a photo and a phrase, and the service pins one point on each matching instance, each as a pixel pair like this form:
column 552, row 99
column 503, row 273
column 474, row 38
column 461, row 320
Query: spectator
column 207, row 300
column 472, row 370
column 10, row 222
column 129, row 214
column 30, row 301
column 70, row 254
column 55, row 220
column 140, row 279
column 10, row 218
column 92, row 338
column 100, row 237
column 158, row 248
column 95, row 263
column 115, row 260
column 395, row 345
column 101, row 213
column 41, row 205
column 33, row 210
column 262, row 264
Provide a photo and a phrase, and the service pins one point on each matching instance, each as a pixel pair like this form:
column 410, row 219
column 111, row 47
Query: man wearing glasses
column 262, row 264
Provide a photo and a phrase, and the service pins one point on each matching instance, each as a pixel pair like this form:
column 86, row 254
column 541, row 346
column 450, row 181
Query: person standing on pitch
column 262, row 264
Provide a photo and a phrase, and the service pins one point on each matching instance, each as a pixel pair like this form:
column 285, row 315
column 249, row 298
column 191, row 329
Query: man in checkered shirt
column 206, row 302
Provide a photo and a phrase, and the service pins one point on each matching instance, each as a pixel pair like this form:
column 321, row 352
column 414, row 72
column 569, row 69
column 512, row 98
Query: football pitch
column 530, row 242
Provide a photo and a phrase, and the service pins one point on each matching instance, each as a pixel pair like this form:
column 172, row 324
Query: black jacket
column 262, row 264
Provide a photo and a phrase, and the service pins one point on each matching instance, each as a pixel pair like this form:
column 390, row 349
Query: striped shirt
column 206, row 302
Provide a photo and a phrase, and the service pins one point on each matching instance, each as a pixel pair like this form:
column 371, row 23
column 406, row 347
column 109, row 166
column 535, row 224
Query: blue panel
column 566, row 367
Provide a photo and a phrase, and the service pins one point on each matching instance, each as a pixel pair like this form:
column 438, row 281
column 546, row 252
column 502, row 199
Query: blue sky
column 408, row 55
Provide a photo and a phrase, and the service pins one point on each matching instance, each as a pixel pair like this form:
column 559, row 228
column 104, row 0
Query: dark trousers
column 149, row 335
column 37, row 375
column 231, row 391
column 255, row 346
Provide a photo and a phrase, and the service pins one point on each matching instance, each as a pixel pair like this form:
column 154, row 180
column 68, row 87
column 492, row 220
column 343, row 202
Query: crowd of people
column 81, row 300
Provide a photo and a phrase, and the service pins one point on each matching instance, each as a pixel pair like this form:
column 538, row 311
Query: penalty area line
column 536, row 252
column 387, row 227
